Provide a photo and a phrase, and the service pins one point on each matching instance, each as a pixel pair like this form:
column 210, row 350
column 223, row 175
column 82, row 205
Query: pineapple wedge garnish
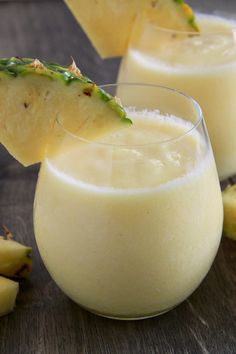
column 33, row 94
column 172, row 14
column 15, row 258
column 8, row 292
column 229, row 202
column 109, row 23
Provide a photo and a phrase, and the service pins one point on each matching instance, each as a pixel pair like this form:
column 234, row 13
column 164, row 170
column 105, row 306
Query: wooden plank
column 48, row 30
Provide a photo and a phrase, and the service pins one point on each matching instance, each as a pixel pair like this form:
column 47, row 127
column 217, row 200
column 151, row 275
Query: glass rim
column 194, row 103
column 195, row 33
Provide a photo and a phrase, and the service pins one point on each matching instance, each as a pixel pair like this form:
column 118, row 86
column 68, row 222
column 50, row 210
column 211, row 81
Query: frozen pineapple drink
column 201, row 64
column 129, row 225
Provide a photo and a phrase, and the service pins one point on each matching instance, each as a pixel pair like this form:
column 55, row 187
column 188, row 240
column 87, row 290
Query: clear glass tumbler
column 129, row 225
column 201, row 64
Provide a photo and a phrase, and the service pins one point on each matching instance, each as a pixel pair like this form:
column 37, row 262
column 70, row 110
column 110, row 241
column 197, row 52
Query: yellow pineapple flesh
column 33, row 94
column 8, row 293
column 109, row 23
column 15, row 259
column 229, row 202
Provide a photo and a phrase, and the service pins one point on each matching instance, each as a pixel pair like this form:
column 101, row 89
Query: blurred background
column 46, row 29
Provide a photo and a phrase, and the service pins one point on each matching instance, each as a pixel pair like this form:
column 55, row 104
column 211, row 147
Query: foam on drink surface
column 156, row 150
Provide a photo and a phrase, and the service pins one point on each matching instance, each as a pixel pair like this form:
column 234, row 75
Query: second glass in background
column 202, row 65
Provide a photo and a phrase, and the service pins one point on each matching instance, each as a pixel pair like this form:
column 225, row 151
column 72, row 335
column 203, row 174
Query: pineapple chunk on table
column 8, row 292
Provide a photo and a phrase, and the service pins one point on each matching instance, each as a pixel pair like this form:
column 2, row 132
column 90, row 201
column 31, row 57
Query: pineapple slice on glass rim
column 108, row 23
column 32, row 95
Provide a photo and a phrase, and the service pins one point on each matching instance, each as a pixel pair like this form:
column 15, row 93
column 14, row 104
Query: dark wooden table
column 45, row 321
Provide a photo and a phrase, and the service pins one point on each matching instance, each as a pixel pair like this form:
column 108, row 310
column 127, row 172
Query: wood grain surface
column 45, row 321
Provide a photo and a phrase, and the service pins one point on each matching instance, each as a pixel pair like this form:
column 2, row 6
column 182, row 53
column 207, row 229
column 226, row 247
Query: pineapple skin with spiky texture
column 8, row 293
column 33, row 94
column 229, row 202
column 15, row 259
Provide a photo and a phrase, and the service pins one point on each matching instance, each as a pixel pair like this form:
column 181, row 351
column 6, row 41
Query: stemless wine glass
column 201, row 64
column 128, row 225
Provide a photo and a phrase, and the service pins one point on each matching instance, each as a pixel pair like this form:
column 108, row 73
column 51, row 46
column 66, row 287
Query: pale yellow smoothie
column 129, row 230
column 203, row 66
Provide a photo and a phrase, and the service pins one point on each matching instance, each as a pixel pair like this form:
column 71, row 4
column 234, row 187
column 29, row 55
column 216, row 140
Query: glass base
column 129, row 317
